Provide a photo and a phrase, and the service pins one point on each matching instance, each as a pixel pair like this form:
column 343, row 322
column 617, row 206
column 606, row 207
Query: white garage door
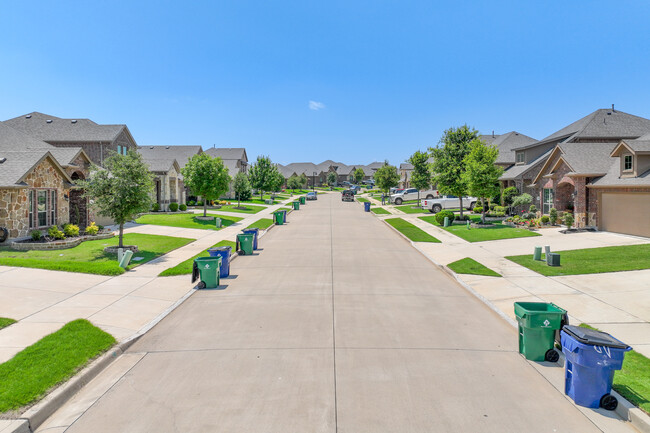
column 625, row 213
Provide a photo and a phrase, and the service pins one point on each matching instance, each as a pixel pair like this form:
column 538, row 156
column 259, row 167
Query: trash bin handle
column 557, row 306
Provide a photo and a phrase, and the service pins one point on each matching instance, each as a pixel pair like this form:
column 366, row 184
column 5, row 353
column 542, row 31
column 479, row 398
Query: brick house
column 317, row 173
column 234, row 158
column 600, row 169
column 36, row 184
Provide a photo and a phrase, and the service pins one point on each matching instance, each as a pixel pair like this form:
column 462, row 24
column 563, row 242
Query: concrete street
column 337, row 325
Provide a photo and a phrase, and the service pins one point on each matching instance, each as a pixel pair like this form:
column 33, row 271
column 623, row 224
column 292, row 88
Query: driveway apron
column 337, row 324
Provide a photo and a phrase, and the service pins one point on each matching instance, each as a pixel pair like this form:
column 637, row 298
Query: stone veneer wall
column 14, row 202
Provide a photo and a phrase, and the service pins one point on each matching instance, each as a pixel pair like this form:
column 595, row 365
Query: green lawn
column 471, row 266
column 188, row 221
column 591, row 260
column 408, row 208
column 633, row 380
column 89, row 256
column 51, row 360
column 185, row 267
column 4, row 322
column 362, row 199
column 246, row 208
column 496, row 232
column 379, row 211
column 410, row 231
column 261, row 224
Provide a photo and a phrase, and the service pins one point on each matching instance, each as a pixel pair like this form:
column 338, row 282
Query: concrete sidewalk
column 43, row 301
column 616, row 302
column 338, row 324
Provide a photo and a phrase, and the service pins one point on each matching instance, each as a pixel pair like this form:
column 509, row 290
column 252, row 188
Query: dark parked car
column 347, row 195
column 312, row 196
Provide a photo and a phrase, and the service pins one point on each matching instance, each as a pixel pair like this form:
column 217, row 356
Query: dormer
column 634, row 156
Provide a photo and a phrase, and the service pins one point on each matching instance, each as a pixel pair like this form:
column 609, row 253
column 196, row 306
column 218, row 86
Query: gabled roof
column 228, row 153
column 587, row 159
column 162, row 165
column 488, row 139
column 640, row 145
column 506, row 143
column 406, row 166
column 519, row 170
column 18, row 165
column 613, row 178
column 55, row 129
column 181, row 154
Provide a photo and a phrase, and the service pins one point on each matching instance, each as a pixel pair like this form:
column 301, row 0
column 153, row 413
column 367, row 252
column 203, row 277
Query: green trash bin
column 279, row 218
column 209, row 269
column 244, row 244
column 303, row 200
column 217, row 222
column 296, row 205
column 538, row 323
column 537, row 253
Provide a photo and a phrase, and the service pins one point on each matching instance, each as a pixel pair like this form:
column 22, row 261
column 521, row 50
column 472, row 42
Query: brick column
column 580, row 202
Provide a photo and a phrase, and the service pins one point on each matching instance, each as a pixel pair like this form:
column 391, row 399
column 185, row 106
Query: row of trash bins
column 592, row 356
column 209, row 270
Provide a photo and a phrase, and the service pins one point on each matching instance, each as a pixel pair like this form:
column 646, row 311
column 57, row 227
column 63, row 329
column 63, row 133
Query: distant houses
column 317, row 173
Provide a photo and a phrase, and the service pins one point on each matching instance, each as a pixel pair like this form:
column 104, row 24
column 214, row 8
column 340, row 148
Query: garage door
column 626, row 213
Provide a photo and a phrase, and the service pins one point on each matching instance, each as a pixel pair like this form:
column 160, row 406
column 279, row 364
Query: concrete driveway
column 337, row 325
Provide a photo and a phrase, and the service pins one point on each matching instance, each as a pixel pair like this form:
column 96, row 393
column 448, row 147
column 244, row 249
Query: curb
column 626, row 410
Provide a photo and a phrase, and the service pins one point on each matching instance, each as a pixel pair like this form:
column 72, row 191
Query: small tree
column 206, row 176
column 386, row 177
column 481, row 175
column 449, row 161
column 276, row 180
column 568, row 220
column 524, row 200
column 293, row 182
column 304, row 181
column 242, row 187
column 121, row 190
column 421, row 176
column 508, row 195
column 261, row 174
column 331, row 178
column 358, row 175
column 552, row 215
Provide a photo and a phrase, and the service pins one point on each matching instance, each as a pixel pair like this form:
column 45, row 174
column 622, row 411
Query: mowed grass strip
column 188, row 221
column 409, row 208
column 242, row 208
column 4, row 322
column 261, row 224
column 53, row 359
column 493, row 233
column 185, row 268
column 89, row 256
column 363, row 200
column 379, row 211
column 410, row 231
column 472, row 267
column 633, row 380
column 591, row 260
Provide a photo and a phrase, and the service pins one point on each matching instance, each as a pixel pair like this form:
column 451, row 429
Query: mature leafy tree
column 261, row 175
column 331, row 178
column 277, row 180
column 242, row 187
column 122, row 189
column 304, row 181
column 293, row 182
column 481, row 175
column 421, row 176
column 206, row 176
column 358, row 175
column 449, row 161
column 386, row 177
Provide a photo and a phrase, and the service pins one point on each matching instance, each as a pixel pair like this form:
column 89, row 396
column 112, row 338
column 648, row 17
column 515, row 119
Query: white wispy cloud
column 315, row 105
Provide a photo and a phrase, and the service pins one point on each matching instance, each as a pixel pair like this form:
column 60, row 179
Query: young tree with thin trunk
column 421, row 176
column 331, row 178
column 206, row 176
column 304, row 181
column 358, row 175
column 122, row 189
column 386, row 177
column 481, row 175
column 242, row 186
column 449, row 161
column 261, row 174
column 293, row 182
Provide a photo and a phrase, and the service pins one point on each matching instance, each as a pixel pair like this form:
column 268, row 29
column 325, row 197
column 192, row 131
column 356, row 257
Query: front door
column 78, row 208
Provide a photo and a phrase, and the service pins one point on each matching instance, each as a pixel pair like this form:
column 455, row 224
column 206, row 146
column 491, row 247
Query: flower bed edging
column 60, row 244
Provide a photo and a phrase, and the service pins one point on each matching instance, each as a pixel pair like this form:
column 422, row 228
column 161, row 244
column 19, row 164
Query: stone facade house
column 36, row 184
column 166, row 163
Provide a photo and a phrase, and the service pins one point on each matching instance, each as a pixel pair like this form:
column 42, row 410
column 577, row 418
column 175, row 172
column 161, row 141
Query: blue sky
column 353, row 81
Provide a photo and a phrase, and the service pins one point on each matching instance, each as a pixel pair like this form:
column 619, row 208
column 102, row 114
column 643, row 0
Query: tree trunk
column 461, row 206
column 121, row 243
column 261, row 195
column 483, row 213
column 238, row 201
column 205, row 207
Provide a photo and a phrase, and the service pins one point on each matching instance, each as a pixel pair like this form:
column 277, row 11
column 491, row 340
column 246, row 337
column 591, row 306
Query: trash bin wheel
column 608, row 402
column 552, row 355
column 241, row 252
column 201, row 285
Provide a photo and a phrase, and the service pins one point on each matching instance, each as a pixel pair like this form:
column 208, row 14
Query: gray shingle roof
column 613, row 178
column 181, row 154
column 64, row 130
column 588, row 158
column 489, row 139
column 160, row 165
column 641, row 144
column 506, row 143
column 228, row 153
column 519, row 170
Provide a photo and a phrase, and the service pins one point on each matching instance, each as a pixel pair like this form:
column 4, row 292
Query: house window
column 548, row 201
column 41, row 208
column 520, row 157
column 31, row 209
column 627, row 163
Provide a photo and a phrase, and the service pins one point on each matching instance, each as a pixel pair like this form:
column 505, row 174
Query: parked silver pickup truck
column 411, row 194
column 435, row 205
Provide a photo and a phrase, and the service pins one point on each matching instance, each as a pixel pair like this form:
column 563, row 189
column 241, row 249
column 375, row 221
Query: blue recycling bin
column 592, row 357
column 284, row 215
column 254, row 232
column 224, row 253
column 366, row 206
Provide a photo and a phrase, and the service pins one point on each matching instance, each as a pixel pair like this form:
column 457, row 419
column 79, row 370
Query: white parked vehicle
column 447, row 202
column 411, row 194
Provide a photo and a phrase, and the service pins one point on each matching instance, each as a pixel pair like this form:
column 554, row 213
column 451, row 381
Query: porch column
column 165, row 193
column 580, row 202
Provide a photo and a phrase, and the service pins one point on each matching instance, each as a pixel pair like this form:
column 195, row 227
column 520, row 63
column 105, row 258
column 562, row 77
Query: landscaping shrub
column 55, row 233
column 440, row 216
column 553, row 215
column 36, row 235
column 92, row 229
column 173, row 207
column 478, row 209
column 463, row 218
column 191, row 202
column 183, row 207
column 500, row 214
column 568, row 220
column 509, row 195
column 155, row 207
column 498, row 209
column 545, row 219
column 199, row 203
column 532, row 208
column 71, row 230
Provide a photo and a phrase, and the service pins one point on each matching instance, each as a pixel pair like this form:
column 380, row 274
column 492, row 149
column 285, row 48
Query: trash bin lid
column 593, row 337
column 226, row 248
